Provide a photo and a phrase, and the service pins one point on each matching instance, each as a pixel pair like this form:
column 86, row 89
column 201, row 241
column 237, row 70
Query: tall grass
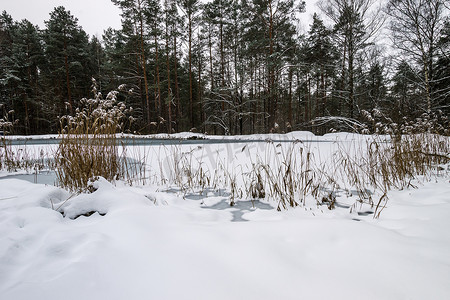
column 291, row 173
column 391, row 162
column 14, row 158
column 89, row 146
column 6, row 152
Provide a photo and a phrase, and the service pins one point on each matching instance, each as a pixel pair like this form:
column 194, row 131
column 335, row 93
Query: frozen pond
column 46, row 177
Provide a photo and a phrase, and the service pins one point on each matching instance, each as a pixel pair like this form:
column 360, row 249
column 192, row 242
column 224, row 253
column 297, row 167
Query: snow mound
column 164, row 244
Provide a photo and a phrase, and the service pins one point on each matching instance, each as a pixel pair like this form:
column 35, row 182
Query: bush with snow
column 89, row 145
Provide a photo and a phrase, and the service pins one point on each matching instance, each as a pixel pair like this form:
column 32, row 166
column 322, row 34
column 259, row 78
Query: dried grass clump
column 5, row 146
column 287, row 178
column 10, row 159
column 391, row 162
column 5, row 150
column 89, row 146
column 187, row 170
column 292, row 173
column 14, row 158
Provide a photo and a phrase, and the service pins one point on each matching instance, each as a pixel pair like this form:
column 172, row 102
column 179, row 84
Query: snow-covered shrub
column 6, row 125
column 377, row 123
column 89, row 146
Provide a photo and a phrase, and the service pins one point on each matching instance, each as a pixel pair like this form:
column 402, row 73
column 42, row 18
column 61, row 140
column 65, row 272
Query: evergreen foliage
column 233, row 66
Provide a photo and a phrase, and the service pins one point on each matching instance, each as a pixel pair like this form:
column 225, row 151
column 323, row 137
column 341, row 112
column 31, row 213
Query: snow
column 300, row 135
column 154, row 242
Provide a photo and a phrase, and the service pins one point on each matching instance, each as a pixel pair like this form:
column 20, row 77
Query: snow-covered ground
column 158, row 242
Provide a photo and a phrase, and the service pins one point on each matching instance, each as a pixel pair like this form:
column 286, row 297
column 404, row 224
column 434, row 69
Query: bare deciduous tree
column 416, row 26
column 356, row 24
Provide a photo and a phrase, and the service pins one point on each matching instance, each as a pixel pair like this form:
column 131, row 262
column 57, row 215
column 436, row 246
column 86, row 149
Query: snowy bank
column 152, row 244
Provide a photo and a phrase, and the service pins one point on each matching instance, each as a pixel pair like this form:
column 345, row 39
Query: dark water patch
column 365, row 213
column 88, row 214
column 159, row 141
column 340, row 205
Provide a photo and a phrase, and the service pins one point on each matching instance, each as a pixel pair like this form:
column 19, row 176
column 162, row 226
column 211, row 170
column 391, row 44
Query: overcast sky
column 93, row 15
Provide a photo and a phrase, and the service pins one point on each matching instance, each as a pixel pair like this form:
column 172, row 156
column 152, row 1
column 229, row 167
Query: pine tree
column 405, row 94
column 356, row 23
column 28, row 56
column 214, row 20
column 8, row 70
column 321, row 54
column 97, row 58
column 67, row 77
column 191, row 10
column 152, row 13
column 169, row 19
column 20, row 62
column 134, row 30
column 373, row 88
column 273, row 33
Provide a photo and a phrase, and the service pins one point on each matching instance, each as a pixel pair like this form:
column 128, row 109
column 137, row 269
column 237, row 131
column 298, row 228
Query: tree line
column 235, row 66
